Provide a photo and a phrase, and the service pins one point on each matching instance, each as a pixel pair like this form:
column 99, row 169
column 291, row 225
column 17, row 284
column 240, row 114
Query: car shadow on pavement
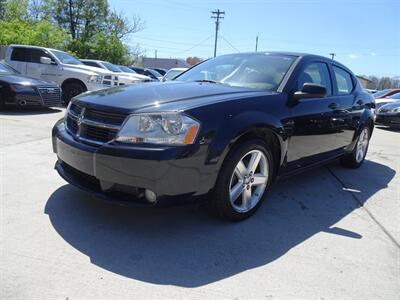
column 28, row 111
column 186, row 247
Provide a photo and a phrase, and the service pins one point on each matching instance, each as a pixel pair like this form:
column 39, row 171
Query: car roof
column 34, row 47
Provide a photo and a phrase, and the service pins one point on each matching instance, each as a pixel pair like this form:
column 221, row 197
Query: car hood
column 22, row 79
column 162, row 96
column 89, row 68
column 390, row 106
column 133, row 75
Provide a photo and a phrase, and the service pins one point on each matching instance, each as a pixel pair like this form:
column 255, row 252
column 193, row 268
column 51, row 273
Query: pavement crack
column 361, row 205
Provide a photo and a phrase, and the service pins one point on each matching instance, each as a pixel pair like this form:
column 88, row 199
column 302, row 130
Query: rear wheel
column 243, row 181
column 355, row 158
column 71, row 90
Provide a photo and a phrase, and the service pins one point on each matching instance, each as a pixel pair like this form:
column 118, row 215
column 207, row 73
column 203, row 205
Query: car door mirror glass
column 311, row 90
column 45, row 60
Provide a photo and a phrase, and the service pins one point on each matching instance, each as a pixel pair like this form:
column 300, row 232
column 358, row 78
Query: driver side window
column 317, row 73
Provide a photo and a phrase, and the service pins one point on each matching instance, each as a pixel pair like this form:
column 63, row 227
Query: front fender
column 237, row 126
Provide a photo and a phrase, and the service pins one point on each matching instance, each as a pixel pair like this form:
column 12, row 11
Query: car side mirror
column 45, row 60
column 310, row 90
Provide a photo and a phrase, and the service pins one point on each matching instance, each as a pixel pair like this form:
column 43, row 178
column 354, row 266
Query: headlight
column 394, row 110
column 385, row 111
column 22, row 88
column 95, row 78
column 159, row 128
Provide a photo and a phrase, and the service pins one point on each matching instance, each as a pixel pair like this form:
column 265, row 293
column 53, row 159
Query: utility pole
column 332, row 55
column 256, row 43
column 217, row 14
column 155, row 54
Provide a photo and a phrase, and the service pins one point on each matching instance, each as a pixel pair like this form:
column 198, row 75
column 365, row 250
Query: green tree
column 2, row 8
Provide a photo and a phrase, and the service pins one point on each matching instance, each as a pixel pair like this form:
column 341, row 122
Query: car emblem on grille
column 79, row 121
column 51, row 90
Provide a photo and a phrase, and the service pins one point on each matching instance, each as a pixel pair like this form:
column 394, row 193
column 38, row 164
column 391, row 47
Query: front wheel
column 243, row 181
column 71, row 90
column 355, row 158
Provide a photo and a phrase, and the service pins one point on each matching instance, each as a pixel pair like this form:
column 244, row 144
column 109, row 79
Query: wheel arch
column 253, row 125
column 73, row 80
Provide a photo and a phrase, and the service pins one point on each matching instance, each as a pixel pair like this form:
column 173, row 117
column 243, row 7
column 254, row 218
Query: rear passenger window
column 343, row 81
column 21, row 54
column 317, row 73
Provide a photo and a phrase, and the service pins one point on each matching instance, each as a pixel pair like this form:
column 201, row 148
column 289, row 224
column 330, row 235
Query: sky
column 364, row 34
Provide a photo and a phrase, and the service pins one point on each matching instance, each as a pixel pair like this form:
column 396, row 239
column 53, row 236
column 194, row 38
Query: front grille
column 102, row 116
column 51, row 96
column 92, row 125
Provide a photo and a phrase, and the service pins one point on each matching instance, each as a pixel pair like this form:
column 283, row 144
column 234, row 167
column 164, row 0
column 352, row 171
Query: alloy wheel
column 362, row 145
column 248, row 181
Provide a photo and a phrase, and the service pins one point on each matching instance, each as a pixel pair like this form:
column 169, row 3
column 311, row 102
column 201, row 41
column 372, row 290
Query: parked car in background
column 148, row 72
column 172, row 73
column 385, row 93
column 123, row 77
column 161, row 71
column 226, row 130
column 389, row 115
column 21, row 91
column 60, row 67
column 128, row 70
column 389, row 99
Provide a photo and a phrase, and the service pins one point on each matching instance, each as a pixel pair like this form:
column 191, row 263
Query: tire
column 2, row 104
column 71, row 90
column 356, row 158
column 236, row 180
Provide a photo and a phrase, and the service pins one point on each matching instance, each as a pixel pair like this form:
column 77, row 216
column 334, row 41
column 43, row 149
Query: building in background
column 164, row 63
column 364, row 81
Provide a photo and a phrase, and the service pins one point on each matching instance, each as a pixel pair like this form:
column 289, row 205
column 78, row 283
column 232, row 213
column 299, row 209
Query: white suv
column 57, row 66
column 124, row 77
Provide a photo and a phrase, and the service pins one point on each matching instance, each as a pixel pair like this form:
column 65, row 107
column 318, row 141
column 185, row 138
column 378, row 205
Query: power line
column 229, row 43
column 197, row 45
column 217, row 14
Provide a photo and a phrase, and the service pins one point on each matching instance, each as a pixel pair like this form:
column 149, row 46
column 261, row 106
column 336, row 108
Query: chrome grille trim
column 50, row 95
column 82, row 127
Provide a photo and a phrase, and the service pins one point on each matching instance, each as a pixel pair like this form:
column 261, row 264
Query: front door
column 313, row 120
column 42, row 71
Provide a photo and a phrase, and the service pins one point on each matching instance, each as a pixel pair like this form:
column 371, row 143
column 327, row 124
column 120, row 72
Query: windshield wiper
column 208, row 81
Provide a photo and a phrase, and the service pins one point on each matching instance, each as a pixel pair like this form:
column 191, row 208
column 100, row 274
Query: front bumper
column 124, row 172
column 388, row 120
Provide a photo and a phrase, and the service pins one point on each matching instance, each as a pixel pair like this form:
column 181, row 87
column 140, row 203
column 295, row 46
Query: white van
column 60, row 67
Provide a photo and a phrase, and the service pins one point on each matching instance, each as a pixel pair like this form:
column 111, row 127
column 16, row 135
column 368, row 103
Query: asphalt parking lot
column 330, row 233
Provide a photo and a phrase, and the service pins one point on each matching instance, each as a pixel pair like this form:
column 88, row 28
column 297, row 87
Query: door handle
column 333, row 105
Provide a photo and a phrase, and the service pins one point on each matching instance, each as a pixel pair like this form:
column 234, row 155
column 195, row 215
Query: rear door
column 313, row 120
column 350, row 107
column 19, row 58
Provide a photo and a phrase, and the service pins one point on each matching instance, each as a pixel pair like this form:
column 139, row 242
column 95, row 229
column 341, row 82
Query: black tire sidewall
column 350, row 160
column 221, row 192
column 69, row 89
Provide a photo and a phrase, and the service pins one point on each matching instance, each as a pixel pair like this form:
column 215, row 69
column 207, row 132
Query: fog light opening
column 150, row 196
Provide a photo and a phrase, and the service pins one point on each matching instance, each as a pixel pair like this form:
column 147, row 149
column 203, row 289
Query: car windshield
column 126, row 69
column 395, row 96
column 379, row 94
column 111, row 67
column 171, row 74
column 7, row 70
column 256, row 71
column 66, row 58
column 154, row 72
